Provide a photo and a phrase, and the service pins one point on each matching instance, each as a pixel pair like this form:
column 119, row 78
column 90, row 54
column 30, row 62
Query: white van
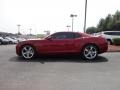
column 109, row 35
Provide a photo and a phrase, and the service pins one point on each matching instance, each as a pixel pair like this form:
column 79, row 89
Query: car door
column 62, row 42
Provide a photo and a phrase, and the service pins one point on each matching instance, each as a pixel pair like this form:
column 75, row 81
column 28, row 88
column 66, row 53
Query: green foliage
column 116, row 41
column 110, row 23
column 91, row 30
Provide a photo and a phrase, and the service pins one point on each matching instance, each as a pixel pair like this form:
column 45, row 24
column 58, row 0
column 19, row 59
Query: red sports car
column 87, row 46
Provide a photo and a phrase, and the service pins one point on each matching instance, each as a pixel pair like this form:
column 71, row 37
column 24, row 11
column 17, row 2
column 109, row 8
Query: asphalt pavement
column 58, row 73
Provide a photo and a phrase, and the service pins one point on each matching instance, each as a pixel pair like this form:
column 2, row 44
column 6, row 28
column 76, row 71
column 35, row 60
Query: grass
column 116, row 41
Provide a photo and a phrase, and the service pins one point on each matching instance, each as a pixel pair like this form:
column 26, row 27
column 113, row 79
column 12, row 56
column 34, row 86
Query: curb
column 113, row 51
column 112, row 48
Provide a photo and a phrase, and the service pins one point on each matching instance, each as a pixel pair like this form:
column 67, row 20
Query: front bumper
column 18, row 50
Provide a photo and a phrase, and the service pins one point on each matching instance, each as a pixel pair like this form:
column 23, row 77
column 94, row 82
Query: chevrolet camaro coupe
column 87, row 46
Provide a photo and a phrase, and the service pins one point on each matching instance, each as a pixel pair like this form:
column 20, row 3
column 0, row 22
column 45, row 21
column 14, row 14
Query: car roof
column 68, row 32
column 82, row 34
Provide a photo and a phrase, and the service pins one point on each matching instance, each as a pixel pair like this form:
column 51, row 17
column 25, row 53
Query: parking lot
column 58, row 73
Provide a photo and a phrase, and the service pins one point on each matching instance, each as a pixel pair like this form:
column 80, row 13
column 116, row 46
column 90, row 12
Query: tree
column 91, row 30
column 110, row 23
column 101, row 25
column 116, row 26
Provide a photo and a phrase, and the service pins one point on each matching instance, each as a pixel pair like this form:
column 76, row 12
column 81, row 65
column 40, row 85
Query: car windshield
column 47, row 37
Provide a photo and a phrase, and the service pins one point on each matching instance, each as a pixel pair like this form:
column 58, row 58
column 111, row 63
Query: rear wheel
column 28, row 52
column 90, row 52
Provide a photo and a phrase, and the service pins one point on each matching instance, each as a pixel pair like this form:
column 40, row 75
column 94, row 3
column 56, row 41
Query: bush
column 116, row 41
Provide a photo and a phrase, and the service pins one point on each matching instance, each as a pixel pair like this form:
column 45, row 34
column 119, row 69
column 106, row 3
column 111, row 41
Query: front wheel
column 90, row 52
column 28, row 52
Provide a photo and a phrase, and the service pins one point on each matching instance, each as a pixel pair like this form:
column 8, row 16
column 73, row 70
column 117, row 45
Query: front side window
column 65, row 35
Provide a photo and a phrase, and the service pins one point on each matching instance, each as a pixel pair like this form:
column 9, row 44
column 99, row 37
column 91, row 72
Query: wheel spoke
column 30, row 52
column 91, row 55
column 94, row 52
column 91, row 48
column 30, row 49
column 86, row 50
column 28, row 55
column 87, row 54
column 25, row 48
column 24, row 53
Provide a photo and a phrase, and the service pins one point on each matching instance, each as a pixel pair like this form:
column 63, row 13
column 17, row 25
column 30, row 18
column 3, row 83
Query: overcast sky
column 53, row 15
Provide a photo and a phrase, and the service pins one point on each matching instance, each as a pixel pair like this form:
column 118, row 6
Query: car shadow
column 74, row 59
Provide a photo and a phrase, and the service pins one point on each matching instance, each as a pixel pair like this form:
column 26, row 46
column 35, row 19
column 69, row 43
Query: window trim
column 73, row 36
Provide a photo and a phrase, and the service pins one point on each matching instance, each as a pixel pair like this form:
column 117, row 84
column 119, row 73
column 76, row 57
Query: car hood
column 32, row 41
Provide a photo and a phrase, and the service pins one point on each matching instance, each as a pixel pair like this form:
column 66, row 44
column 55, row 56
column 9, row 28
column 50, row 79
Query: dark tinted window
column 76, row 35
column 112, row 33
column 65, row 35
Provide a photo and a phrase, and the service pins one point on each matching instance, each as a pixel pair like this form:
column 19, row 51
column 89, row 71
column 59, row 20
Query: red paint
column 64, row 46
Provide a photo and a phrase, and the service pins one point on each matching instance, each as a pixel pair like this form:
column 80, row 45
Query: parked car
column 87, row 46
column 3, row 41
column 109, row 35
column 14, row 38
column 21, row 39
column 11, row 41
column 18, row 39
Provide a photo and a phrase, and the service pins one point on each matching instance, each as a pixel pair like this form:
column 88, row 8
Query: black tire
column 109, row 42
column 89, row 52
column 28, row 52
column 10, row 42
column 0, row 42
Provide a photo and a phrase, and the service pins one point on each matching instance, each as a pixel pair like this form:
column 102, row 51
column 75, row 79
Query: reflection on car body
column 87, row 46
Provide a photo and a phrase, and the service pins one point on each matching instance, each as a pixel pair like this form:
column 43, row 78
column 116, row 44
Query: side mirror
column 49, row 38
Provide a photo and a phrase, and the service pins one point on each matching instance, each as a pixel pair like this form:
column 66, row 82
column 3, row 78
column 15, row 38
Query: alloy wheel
column 28, row 52
column 90, row 52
